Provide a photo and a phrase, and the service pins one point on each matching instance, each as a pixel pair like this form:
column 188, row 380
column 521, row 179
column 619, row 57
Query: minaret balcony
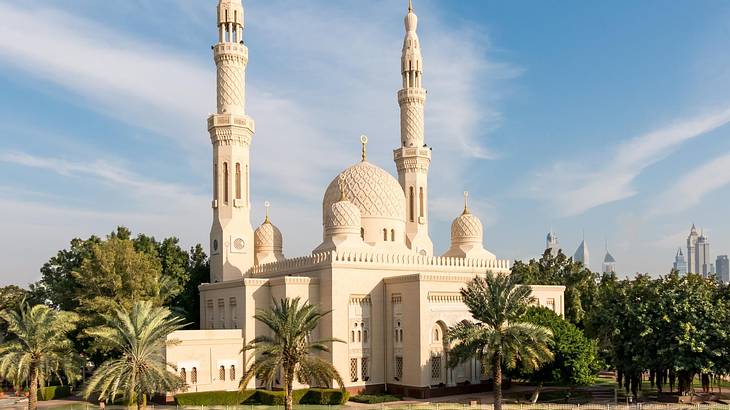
column 231, row 120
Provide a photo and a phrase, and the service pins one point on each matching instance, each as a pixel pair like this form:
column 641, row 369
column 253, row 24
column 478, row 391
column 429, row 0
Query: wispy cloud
column 575, row 187
column 691, row 188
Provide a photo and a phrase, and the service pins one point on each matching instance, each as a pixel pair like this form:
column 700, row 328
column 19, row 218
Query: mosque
column 391, row 297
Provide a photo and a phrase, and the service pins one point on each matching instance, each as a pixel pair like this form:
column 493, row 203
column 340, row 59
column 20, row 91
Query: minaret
column 413, row 157
column 231, row 130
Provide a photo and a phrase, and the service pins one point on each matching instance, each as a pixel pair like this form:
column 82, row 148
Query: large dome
column 373, row 190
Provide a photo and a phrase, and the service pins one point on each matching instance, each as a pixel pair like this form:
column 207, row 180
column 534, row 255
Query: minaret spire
column 231, row 131
column 413, row 157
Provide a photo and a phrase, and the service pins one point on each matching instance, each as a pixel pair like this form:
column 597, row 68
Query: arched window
column 352, row 336
column 215, row 182
column 420, row 202
column 248, row 185
column 222, row 373
column 183, row 375
column 392, row 235
column 364, row 336
column 362, row 233
column 385, row 234
column 225, row 182
column 400, row 334
column 238, row 180
column 436, row 335
column 233, row 372
column 194, row 375
column 411, row 204
column 359, row 336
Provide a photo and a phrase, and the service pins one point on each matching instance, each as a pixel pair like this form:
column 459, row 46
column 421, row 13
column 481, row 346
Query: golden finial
column 341, row 185
column 466, row 203
column 364, row 142
column 267, row 204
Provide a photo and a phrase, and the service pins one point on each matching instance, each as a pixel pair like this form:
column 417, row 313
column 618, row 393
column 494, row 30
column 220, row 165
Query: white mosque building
column 392, row 298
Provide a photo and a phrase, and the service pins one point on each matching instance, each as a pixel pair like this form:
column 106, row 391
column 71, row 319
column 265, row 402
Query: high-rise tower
column 413, row 157
column 231, row 131
column 692, row 250
column 680, row 265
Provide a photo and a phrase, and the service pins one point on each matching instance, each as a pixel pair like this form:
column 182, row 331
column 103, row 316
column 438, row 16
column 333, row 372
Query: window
column 436, row 367
column 352, row 336
column 398, row 367
column 209, row 313
column 362, row 233
column 238, row 180
column 248, row 184
column 353, row 370
column 436, row 335
column 364, row 336
column 364, row 368
column 420, row 202
column 359, row 336
column 225, row 182
column 221, row 314
column 232, row 372
column 222, row 373
column 392, row 235
column 411, row 204
column 400, row 335
column 234, row 312
column 215, row 181
column 183, row 375
column 385, row 234
column 194, row 375
column 550, row 304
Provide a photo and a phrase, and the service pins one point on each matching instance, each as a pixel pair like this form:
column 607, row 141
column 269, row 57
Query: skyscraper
column 609, row 262
column 582, row 255
column 691, row 250
column 702, row 254
column 723, row 268
column 551, row 242
column 679, row 263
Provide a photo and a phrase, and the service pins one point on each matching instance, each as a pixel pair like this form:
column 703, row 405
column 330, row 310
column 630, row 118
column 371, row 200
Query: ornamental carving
column 267, row 236
column 373, row 190
column 467, row 226
column 343, row 213
column 230, row 87
column 411, row 125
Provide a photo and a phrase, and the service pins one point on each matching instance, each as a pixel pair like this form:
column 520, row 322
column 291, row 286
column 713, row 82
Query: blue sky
column 605, row 118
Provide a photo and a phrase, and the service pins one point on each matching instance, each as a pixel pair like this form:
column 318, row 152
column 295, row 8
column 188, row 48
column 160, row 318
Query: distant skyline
column 573, row 117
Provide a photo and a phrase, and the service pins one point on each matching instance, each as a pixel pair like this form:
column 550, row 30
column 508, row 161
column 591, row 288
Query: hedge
column 215, row 398
column 265, row 397
column 374, row 398
column 325, row 397
column 53, row 392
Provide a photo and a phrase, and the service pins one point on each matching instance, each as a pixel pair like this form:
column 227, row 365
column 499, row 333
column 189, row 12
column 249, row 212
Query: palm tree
column 498, row 338
column 140, row 336
column 289, row 349
column 39, row 348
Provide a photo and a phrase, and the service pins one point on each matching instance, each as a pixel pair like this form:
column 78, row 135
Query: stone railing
column 391, row 260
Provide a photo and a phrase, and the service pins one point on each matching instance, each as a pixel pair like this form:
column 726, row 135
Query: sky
column 605, row 121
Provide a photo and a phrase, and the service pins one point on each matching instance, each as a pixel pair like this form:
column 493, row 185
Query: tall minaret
column 413, row 157
column 231, row 130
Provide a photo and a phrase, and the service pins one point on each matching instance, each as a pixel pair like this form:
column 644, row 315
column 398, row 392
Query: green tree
column 198, row 273
column 499, row 337
column 11, row 298
column 576, row 358
column 289, row 349
column 139, row 335
column 39, row 349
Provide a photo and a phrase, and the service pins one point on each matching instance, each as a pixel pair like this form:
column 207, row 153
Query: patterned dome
column 343, row 214
column 466, row 228
column 267, row 237
column 373, row 190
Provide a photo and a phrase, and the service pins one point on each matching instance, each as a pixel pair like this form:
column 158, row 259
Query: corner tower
column 413, row 157
column 231, row 131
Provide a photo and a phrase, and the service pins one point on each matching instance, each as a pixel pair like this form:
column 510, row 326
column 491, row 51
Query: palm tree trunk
column 33, row 393
column 497, row 376
column 288, row 385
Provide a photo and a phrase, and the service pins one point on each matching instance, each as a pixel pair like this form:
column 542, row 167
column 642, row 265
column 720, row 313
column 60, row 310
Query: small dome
column 411, row 21
column 343, row 214
column 267, row 237
column 466, row 228
column 375, row 192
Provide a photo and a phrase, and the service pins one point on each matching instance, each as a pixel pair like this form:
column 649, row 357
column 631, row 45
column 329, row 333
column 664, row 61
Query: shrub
column 216, row 398
column 374, row 398
column 325, row 397
column 53, row 392
column 276, row 398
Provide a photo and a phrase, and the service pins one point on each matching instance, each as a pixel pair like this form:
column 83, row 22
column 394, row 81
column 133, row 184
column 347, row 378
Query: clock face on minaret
column 231, row 132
